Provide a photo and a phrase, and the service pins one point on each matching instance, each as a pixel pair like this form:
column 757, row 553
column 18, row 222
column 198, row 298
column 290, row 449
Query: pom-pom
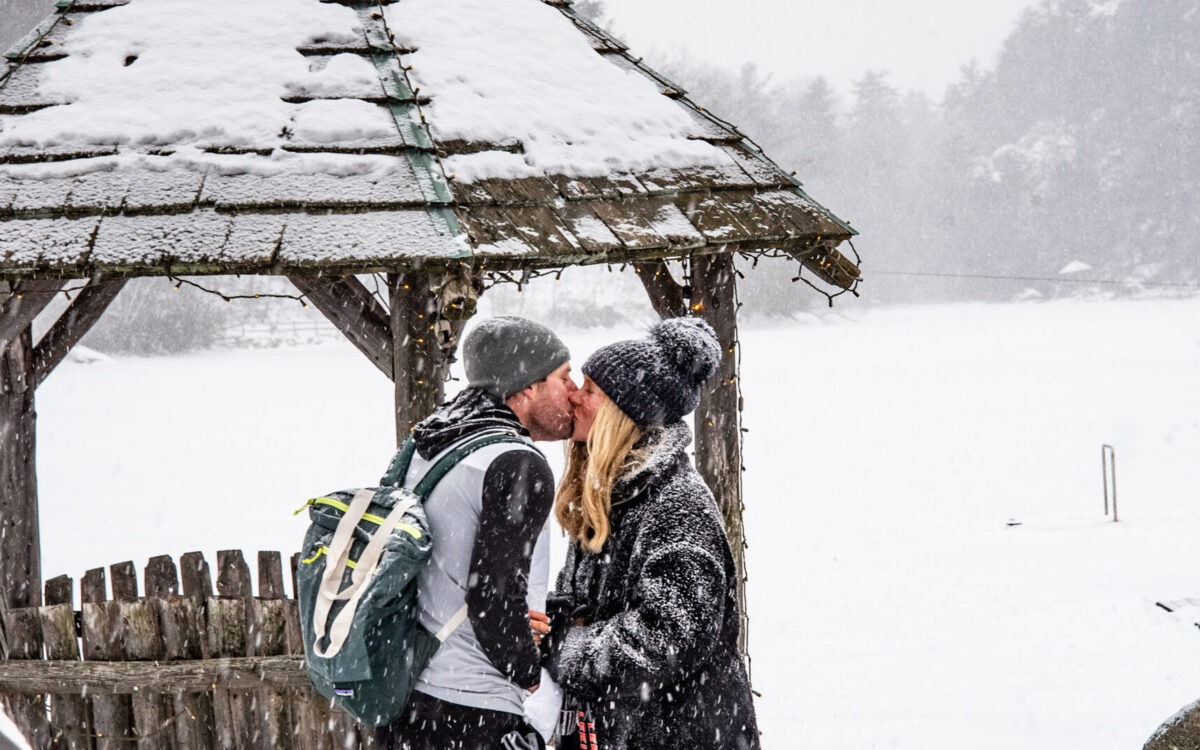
column 690, row 345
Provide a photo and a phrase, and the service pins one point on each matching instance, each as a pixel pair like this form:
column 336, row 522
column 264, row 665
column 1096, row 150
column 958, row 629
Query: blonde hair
column 585, row 493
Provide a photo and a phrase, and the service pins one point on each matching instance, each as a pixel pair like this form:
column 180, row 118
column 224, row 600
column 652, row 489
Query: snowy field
column 892, row 603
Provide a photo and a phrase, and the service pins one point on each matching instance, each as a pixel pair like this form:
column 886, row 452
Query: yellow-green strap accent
column 321, row 551
column 413, row 531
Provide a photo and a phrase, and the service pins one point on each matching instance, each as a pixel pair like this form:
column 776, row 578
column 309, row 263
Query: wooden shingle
column 592, row 234
column 632, row 229
column 156, row 240
column 539, row 227
column 492, row 234
column 380, row 238
column 40, row 244
column 22, row 92
column 395, row 187
column 709, row 214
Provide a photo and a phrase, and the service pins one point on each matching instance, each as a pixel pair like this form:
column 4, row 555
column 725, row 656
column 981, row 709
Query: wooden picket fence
column 178, row 668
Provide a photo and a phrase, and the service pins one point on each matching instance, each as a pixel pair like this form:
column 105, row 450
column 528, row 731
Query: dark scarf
column 467, row 413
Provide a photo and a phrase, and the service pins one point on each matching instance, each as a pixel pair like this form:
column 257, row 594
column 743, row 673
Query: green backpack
column 357, row 587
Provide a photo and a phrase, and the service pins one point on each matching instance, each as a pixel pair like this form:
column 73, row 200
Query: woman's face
column 587, row 402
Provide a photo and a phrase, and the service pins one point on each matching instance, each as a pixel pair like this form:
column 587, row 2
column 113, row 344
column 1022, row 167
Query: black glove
column 560, row 609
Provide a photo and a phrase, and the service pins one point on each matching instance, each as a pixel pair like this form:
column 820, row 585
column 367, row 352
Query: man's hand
column 539, row 623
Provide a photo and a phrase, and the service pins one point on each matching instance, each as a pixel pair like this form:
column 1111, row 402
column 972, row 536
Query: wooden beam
column 132, row 677
column 666, row 294
column 419, row 363
column 20, row 547
column 73, row 325
column 353, row 311
column 718, row 419
column 828, row 263
column 21, row 301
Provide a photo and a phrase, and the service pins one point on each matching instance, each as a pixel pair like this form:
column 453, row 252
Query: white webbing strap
column 336, row 557
column 339, row 553
column 452, row 624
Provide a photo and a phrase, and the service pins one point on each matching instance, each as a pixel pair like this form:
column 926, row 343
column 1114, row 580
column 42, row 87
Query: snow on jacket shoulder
column 657, row 659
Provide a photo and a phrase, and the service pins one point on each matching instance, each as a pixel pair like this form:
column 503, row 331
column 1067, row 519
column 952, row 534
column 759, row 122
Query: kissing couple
column 636, row 647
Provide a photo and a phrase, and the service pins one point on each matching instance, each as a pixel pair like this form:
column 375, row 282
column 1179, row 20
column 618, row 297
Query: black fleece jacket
column 654, row 651
column 518, row 493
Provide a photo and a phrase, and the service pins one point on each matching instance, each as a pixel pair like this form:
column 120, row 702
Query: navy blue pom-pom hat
column 657, row 380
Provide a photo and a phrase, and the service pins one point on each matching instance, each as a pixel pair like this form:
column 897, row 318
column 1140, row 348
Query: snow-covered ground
column 892, row 605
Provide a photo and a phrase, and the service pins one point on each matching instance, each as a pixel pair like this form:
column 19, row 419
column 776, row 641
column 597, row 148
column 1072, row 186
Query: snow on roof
column 518, row 72
column 187, row 71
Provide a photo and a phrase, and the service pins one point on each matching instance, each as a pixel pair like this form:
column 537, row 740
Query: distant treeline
column 1083, row 144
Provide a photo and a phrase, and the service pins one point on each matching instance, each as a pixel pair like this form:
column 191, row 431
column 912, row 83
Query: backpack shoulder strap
column 461, row 451
column 398, row 469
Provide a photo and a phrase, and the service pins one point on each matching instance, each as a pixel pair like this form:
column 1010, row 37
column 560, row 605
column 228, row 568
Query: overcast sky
column 922, row 42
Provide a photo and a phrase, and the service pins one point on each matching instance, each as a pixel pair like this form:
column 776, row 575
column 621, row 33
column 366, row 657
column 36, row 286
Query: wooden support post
column 420, row 367
column 22, row 368
column 666, row 294
column 718, row 422
column 20, row 547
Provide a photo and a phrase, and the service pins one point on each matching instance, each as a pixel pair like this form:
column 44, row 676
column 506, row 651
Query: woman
column 645, row 647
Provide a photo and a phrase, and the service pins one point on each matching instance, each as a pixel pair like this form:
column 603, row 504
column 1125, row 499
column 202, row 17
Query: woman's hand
column 539, row 623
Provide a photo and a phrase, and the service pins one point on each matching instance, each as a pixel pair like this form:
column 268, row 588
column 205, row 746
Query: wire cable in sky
column 1057, row 280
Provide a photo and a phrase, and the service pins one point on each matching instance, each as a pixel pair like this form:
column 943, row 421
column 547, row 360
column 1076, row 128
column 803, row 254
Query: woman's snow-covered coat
column 656, row 659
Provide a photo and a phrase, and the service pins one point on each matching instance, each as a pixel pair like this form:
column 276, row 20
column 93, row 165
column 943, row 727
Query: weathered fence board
column 183, row 667
column 70, row 715
column 23, row 631
column 112, row 715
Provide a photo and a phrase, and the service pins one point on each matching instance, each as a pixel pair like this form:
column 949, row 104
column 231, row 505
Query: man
column 485, row 517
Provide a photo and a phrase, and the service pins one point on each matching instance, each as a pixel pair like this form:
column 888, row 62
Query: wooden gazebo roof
column 359, row 161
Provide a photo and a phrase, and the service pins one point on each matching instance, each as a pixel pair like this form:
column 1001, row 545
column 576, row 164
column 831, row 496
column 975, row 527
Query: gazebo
column 436, row 141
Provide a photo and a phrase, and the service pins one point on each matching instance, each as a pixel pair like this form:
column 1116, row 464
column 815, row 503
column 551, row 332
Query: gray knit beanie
column 507, row 354
column 656, row 380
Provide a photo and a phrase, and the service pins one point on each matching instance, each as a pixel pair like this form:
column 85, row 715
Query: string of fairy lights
column 522, row 278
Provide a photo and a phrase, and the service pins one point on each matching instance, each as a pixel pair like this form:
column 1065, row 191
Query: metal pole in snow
column 1108, row 466
column 1114, row 456
column 1104, row 474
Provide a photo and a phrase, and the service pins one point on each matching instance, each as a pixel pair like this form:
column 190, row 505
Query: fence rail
column 178, row 668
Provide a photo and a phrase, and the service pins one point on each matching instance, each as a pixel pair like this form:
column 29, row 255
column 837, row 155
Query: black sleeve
column 518, row 492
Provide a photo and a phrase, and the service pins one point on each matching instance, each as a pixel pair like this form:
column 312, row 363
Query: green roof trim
column 30, row 41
